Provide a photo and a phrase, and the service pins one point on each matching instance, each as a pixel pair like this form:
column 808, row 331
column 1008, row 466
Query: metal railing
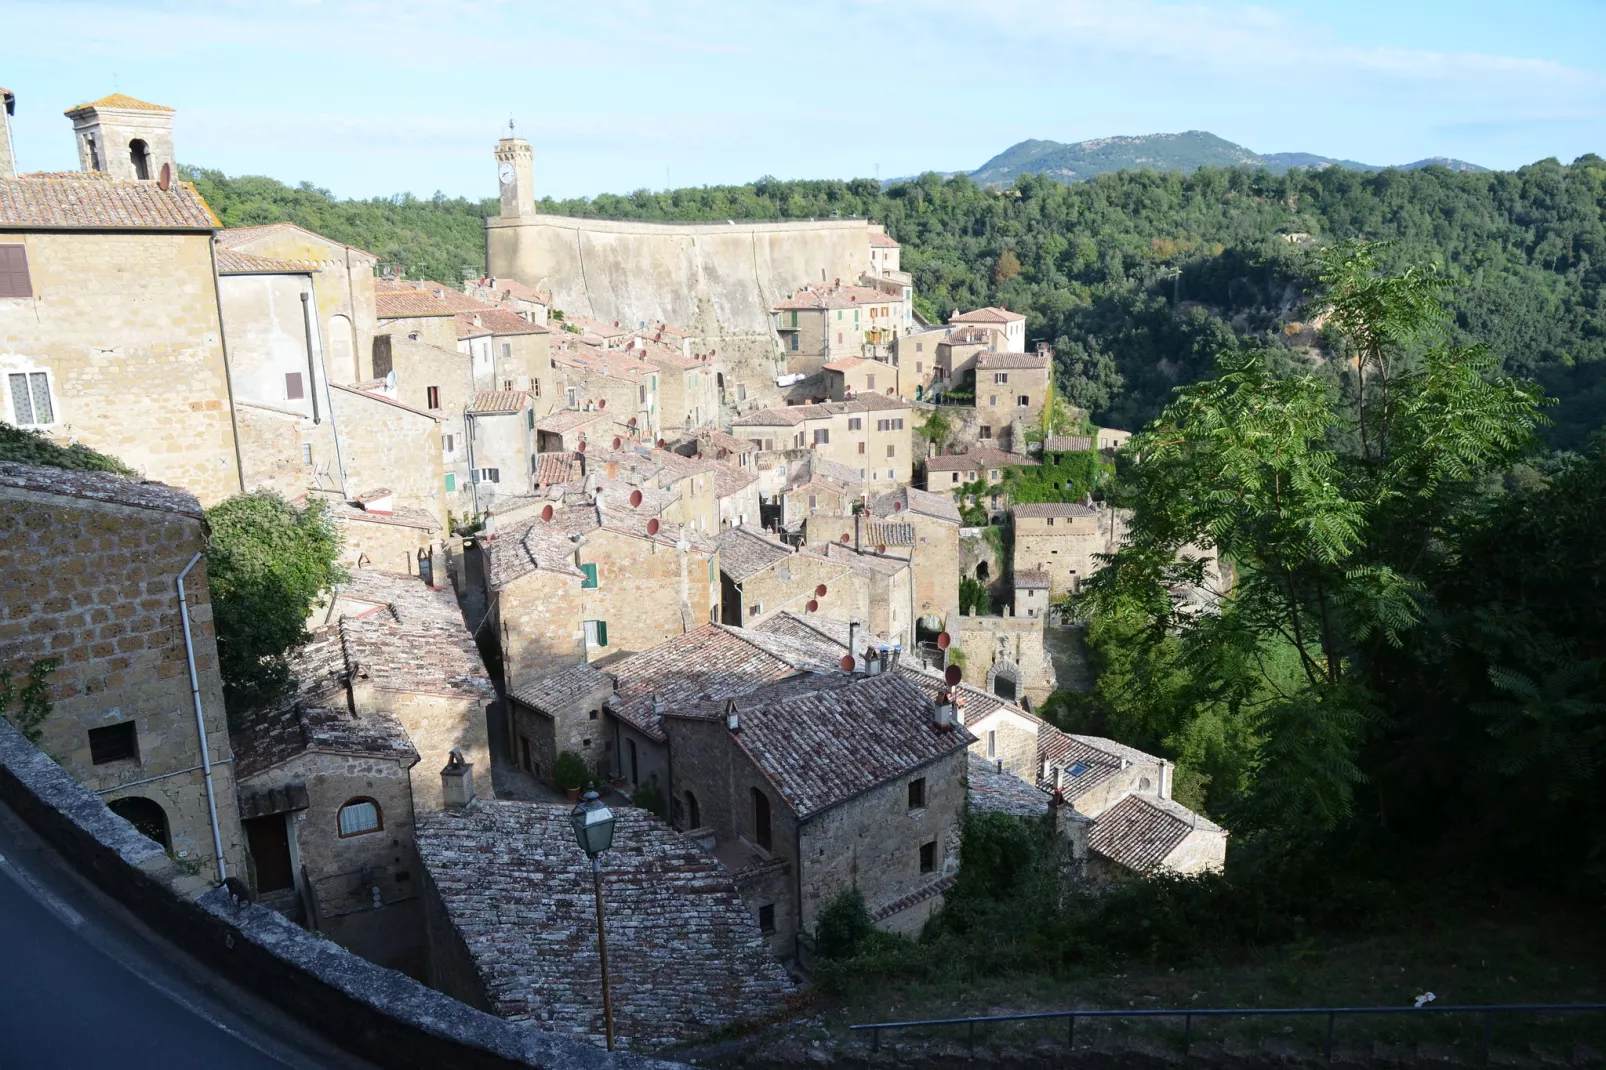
column 1332, row 1014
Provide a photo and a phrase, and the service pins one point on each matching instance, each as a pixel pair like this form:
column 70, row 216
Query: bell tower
column 515, row 176
column 124, row 137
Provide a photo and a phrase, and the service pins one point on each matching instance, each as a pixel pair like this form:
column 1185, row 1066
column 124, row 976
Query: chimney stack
column 8, row 156
column 853, row 640
column 457, row 781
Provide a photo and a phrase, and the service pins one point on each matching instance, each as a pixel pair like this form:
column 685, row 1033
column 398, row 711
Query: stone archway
column 1004, row 679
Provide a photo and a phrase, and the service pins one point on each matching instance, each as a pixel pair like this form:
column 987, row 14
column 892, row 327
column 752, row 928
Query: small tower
column 123, row 137
column 515, row 175
column 8, row 157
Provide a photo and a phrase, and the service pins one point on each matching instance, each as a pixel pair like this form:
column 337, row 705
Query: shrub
column 843, row 926
column 28, row 706
column 33, row 447
column 570, row 771
column 648, row 797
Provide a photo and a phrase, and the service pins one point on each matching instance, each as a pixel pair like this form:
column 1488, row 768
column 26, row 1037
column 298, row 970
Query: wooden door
column 269, row 841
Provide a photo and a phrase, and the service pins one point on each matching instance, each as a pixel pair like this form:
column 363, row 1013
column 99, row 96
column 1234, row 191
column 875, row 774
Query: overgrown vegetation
column 569, row 771
column 269, row 564
column 25, row 446
column 28, row 706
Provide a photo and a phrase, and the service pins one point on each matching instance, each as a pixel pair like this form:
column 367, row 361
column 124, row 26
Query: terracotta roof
column 787, row 417
column 496, row 401
column 95, row 202
column 978, row 457
column 879, row 240
column 413, row 639
column 908, row 499
column 685, row 955
column 971, row 336
column 234, row 237
column 549, row 546
column 515, row 289
column 596, row 327
column 823, row 747
column 1067, row 444
column 710, row 439
column 234, row 262
column 555, row 468
column 663, row 356
column 743, row 552
column 568, row 419
column 1028, row 361
column 888, row 533
column 99, row 486
column 412, row 304
column 1038, row 510
column 865, row 562
column 615, row 363
column 1141, row 831
column 728, row 480
column 495, row 321
column 402, row 516
column 992, row 790
column 1031, row 579
column 990, row 314
column 846, row 365
column 792, row 415
column 117, row 100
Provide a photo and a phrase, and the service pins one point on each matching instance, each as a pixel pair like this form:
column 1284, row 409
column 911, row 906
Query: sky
column 372, row 99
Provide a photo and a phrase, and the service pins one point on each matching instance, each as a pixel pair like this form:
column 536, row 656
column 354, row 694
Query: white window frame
column 11, row 413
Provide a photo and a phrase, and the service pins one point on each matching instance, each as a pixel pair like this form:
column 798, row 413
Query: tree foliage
column 26, row 446
column 269, row 564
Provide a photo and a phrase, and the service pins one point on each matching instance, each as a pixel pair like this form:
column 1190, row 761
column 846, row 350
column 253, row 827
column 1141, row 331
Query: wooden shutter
column 14, row 280
column 590, row 582
column 602, row 633
column 292, row 387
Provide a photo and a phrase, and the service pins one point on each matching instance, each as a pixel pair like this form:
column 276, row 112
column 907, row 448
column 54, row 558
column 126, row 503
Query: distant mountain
column 1187, row 151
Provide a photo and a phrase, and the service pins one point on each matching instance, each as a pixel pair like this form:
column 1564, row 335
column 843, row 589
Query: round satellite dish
column 617, row 442
column 953, row 675
column 819, row 592
column 546, row 513
column 897, row 507
column 652, row 526
column 635, row 498
column 880, row 549
column 165, row 178
column 847, row 662
column 844, row 536
column 632, row 421
column 660, row 443
column 581, row 448
column 603, row 404
column 944, row 641
column 812, row 606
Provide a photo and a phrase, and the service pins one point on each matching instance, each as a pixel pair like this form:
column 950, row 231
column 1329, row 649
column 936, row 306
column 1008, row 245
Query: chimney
column 942, row 713
column 732, row 717
column 853, row 639
column 457, row 781
column 658, row 704
column 8, row 156
column 1166, row 771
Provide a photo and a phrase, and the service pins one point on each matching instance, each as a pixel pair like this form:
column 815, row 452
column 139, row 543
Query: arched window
column 693, row 812
column 342, row 350
column 139, row 154
column 359, row 816
column 761, row 819
column 146, row 815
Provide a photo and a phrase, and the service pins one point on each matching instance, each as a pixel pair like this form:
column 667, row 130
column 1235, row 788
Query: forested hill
column 1137, row 278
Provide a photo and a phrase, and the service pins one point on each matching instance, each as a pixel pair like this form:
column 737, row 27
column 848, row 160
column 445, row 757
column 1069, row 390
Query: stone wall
column 419, row 367
column 537, row 620
column 1005, row 736
column 383, row 544
column 273, row 444
column 389, row 445
column 641, row 583
column 793, row 582
column 1010, row 646
column 127, row 326
column 91, row 584
column 377, row 1014
column 437, row 725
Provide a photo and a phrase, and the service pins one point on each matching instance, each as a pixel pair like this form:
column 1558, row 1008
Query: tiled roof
column 412, row 640
column 992, row 790
column 989, row 360
column 234, row 262
column 1141, row 831
column 709, row 439
column 971, row 336
column 549, row 546
column 597, row 328
column 791, row 415
column 786, row 417
column 743, row 552
column 319, row 723
column 728, row 480
column 1027, row 578
column 664, row 357
column 865, row 563
column 497, row 321
column 685, row 955
column 515, row 289
column 978, row 457
column 569, row 419
column 908, row 499
column 1038, row 510
column 235, row 237
column 845, row 365
column 879, row 240
column 117, row 100
column 990, row 314
column 99, row 486
column 615, row 363
column 489, row 401
column 1067, row 444
column 821, row 748
column 551, row 694
column 555, row 468
column 95, row 202
column 888, row 533
column 412, row 304
column 824, row 638
column 405, row 516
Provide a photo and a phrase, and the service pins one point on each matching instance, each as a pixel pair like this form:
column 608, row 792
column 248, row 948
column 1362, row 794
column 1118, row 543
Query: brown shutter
column 14, row 280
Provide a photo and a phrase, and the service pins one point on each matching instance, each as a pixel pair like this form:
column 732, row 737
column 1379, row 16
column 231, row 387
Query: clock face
column 506, row 173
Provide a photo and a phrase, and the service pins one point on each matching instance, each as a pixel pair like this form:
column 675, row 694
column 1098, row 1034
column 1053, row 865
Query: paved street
column 82, row 987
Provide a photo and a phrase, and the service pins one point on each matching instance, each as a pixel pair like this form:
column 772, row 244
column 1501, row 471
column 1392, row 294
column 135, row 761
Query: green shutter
column 602, row 633
column 451, row 481
column 591, row 576
column 530, row 419
column 713, row 571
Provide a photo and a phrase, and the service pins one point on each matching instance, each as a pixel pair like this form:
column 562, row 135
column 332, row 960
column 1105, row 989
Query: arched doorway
column 342, row 350
column 139, row 154
column 146, row 815
column 1003, row 679
column 982, row 571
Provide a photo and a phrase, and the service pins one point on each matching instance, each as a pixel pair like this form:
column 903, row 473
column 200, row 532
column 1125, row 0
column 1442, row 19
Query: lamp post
column 593, row 828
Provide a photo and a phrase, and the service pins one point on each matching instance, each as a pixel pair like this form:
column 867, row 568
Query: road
column 83, row 984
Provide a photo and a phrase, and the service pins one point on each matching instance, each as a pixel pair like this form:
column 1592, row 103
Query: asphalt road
column 83, row 985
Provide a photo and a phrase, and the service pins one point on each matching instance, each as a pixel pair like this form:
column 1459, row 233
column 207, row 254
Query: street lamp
column 593, row 828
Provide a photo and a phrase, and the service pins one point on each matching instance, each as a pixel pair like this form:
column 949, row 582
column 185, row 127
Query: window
column 869, row 382
column 293, row 390
column 113, row 743
column 755, row 609
column 794, row 317
column 713, row 571
column 1050, row 521
column 596, row 633
column 992, row 474
column 1000, row 377
column 432, row 397
column 360, row 816
column 641, row 393
column 448, row 444
column 928, row 857
column 992, row 744
column 855, row 423
column 507, row 384
column 571, row 398
column 487, row 475
column 590, row 582
column 839, row 316
column 839, row 334
column 897, row 425
column 920, row 347
column 992, row 399
column 795, row 341
column 813, row 503
column 822, row 437
column 139, row 154
column 919, row 367
column 917, row 793
column 761, row 819
column 1024, row 400
column 507, row 351
column 14, row 280
column 956, row 477
column 306, row 453
column 984, row 432
column 861, row 447
column 694, row 813
column 591, row 715
column 147, row 817
column 30, row 398
column 451, row 481
column 585, row 743
column 766, row 918
column 892, row 451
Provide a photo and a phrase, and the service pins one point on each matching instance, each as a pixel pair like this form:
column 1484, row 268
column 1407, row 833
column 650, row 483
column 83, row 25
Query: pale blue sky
column 369, row 98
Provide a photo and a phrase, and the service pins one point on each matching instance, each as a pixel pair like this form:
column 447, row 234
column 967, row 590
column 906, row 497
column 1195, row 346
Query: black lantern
column 593, row 825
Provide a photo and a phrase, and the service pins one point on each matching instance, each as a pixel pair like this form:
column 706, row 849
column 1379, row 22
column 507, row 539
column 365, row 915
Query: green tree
column 269, row 565
column 937, row 430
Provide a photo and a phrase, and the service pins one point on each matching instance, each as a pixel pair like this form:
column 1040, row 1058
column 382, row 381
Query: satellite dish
column 880, row 549
column 819, row 592
column 632, row 421
column 660, row 443
column 897, row 507
column 581, row 448
column 617, row 442
column 652, row 526
column 602, row 404
column 847, row 663
column 953, row 675
column 165, row 178
column 635, row 499
column 546, row 514
column 812, row 606
column 944, row 641
column 844, row 537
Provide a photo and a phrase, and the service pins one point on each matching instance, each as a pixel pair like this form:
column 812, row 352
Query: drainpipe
column 307, row 323
column 312, row 367
column 200, row 719
column 228, row 376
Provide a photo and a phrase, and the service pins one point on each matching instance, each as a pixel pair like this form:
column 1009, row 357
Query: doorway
column 269, row 841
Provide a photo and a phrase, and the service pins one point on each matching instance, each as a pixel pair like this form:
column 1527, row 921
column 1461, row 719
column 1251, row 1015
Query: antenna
column 510, row 132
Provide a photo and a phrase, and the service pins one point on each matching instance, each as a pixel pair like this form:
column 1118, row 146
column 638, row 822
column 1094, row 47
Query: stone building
column 760, row 576
column 501, row 441
column 92, row 561
column 871, row 435
column 509, row 352
column 688, row 391
column 850, row 377
column 421, row 310
column 946, row 473
column 818, row 488
column 123, row 138
column 1062, row 539
column 931, row 546
column 736, row 495
column 84, row 252
column 343, row 290
column 1031, row 593
column 514, row 296
column 513, row 929
column 438, row 381
column 1005, row 654
column 889, row 591
column 563, row 431
column 1011, row 324
column 392, row 455
column 615, row 381
column 823, row 783
column 819, row 325
column 1011, row 389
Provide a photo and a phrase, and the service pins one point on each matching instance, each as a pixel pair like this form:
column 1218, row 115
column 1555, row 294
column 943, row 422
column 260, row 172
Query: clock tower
column 515, row 177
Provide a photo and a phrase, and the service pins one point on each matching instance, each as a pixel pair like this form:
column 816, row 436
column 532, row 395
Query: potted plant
column 570, row 773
